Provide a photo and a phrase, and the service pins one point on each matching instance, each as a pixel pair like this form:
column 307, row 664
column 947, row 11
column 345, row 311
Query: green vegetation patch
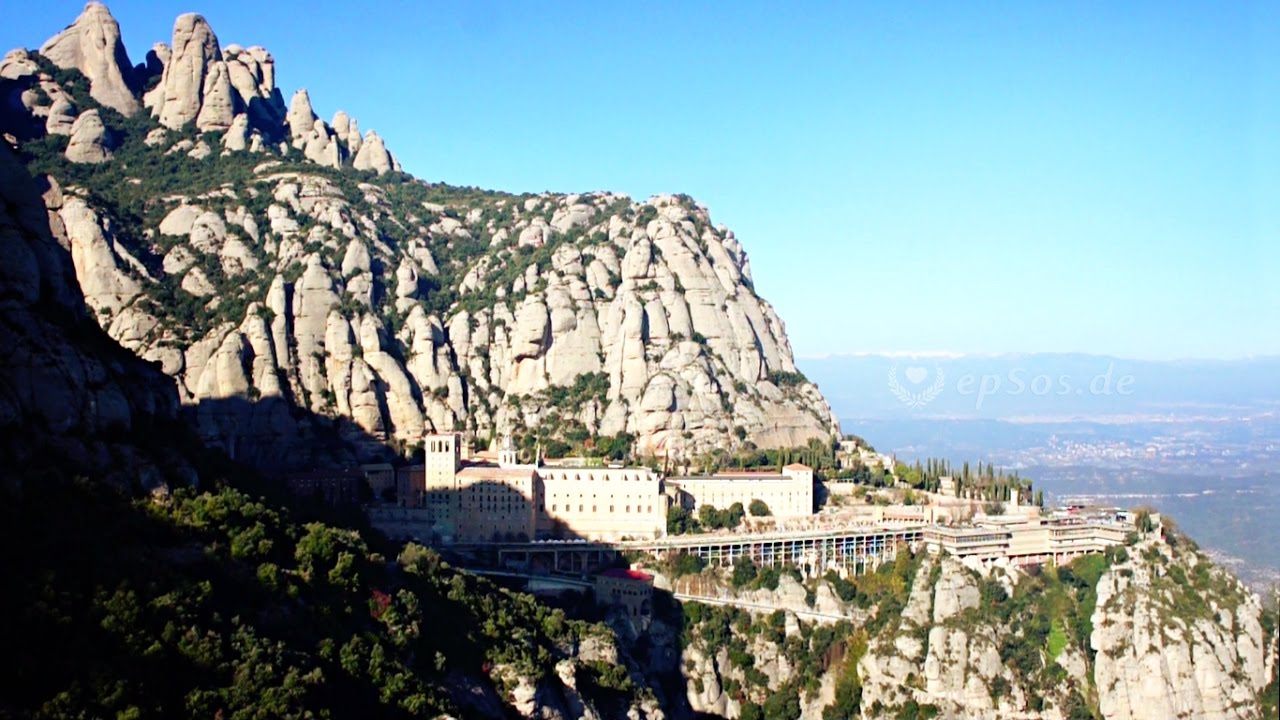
column 217, row 603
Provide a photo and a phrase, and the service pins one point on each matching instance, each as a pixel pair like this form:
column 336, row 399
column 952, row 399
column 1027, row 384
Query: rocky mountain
column 166, row 593
column 1153, row 631
column 69, row 395
column 292, row 280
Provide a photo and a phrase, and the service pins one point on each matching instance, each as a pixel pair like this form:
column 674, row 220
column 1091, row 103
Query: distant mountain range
column 1044, row 386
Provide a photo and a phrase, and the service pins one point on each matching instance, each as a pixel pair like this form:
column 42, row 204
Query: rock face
column 92, row 45
column 1172, row 637
column 294, row 302
column 88, row 139
column 935, row 657
column 178, row 99
column 63, row 383
column 661, row 315
column 1155, row 661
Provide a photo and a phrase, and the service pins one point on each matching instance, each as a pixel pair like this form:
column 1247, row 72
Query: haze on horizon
column 1099, row 179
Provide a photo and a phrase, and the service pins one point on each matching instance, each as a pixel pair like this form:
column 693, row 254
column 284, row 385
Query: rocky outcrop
column 1150, row 631
column 176, row 101
column 106, row 285
column 64, row 386
column 391, row 314
column 934, row 658
column 252, row 73
column 762, row 658
column 92, row 45
column 88, row 142
column 373, row 155
column 1172, row 637
column 62, row 118
column 197, row 82
column 201, row 84
column 17, row 64
column 349, row 130
column 1177, row 638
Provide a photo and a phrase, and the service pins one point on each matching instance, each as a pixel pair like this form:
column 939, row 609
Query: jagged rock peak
column 92, row 45
column 196, row 80
column 373, row 155
column 177, row 100
column 204, row 83
column 301, row 118
column 349, row 130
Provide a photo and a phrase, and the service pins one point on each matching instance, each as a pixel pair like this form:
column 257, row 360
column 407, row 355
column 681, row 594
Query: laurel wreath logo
column 921, row 398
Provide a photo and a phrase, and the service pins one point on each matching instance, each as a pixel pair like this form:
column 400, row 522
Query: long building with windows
column 1027, row 539
column 788, row 493
column 609, row 503
column 451, row 500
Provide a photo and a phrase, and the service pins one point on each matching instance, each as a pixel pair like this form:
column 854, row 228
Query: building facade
column 630, row 590
column 788, row 493
column 611, row 503
column 467, row 502
column 1027, row 540
column 337, row 486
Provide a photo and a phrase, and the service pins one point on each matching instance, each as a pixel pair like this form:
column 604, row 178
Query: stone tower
column 507, row 455
column 443, row 458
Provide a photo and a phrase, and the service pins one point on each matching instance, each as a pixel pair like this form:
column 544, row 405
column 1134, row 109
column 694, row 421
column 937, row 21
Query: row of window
column 596, row 508
column 592, row 477
column 617, row 594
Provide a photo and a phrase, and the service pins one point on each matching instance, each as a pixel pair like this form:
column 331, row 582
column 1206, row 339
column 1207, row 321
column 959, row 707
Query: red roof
column 797, row 466
column 626, row 574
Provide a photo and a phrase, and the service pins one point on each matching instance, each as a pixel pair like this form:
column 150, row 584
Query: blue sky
column 973, row 177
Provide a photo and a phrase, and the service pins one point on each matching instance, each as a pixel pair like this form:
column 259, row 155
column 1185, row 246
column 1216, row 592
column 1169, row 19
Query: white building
column 788, row 494
column 452, row 500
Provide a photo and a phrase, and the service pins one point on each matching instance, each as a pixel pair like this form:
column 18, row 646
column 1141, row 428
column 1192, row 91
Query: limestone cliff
column 1154, row 631
column 1151, row 630
column 69, row 396
column 292, row 282
column 78, row 411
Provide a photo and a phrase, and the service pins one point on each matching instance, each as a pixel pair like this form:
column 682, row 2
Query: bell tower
column 443, row 456
column 507, row 456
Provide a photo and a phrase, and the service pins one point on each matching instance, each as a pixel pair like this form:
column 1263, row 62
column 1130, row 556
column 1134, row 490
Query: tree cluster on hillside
column 817, row 454
column 987, row 482
column 680, row 521
column 219, row 604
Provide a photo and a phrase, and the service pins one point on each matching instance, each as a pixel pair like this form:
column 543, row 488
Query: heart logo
column 917, row 374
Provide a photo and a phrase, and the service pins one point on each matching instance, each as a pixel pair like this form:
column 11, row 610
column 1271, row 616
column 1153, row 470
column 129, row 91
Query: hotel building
column 788, row 493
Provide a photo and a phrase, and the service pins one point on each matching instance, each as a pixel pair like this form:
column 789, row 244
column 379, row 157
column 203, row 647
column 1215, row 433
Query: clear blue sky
column 975, row 177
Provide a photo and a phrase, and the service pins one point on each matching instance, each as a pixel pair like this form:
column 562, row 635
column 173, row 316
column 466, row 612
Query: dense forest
column 216, row 603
